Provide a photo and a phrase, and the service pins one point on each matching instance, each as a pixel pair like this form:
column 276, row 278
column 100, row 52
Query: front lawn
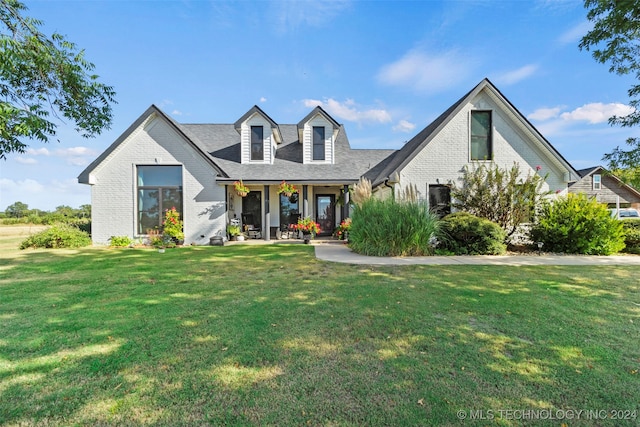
column 269, row 335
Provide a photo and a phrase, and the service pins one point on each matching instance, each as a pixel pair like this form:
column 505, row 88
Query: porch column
column 305, row 202
column 266, row 227
column 345, row 204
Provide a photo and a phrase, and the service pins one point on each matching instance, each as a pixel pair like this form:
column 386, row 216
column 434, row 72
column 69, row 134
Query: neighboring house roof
column 424, row 137
column 84, row 177
column 584, row 173
column 222, row 143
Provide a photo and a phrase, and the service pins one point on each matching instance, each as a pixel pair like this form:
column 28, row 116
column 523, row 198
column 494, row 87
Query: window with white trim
column 597, row 182
column 159, row 189
column 481, row 141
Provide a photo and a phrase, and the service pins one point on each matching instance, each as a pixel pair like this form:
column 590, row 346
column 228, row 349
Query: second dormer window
column 318, row 143
column 257, row 143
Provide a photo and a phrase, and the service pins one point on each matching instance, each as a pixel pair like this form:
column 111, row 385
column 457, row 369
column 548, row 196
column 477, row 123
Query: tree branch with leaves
column 43, row 78
column 615, row 40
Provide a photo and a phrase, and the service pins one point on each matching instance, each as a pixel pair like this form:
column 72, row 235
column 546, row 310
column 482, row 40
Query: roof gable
column 150, row 113
column 257, row 110
column 424, row 137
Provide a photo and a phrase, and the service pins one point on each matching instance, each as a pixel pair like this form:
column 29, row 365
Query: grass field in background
column 269, row 335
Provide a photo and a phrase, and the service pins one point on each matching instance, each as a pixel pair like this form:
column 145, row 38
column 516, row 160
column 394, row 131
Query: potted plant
column 241, row 189
column 172, row 226
column 308, row 227
column 287, row 189
column 233, row 231
column 342, row 232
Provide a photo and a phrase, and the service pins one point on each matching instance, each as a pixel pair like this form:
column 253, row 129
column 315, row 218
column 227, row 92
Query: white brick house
column 158, row 163
column 481, row 127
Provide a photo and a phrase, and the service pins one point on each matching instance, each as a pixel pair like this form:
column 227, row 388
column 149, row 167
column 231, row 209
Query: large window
column 159, row 188
column 481, row 144
column 257, row 143
column 318, row 143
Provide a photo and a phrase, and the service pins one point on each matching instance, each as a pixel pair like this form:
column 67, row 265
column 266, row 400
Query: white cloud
column 575, row 33
column 176, row 113
column 515, row 76
column 263, row 99
column 427, row 72
column 294, row 14
column 38, row 151
column 348, row 111
column 75, row 151
column 542, row 114
column 44, row 194
column 404, row 126
column 597, row 112
column 26, row 160
column 11, row 187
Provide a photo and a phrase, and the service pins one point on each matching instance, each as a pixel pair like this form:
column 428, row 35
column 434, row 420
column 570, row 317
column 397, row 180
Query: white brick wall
column 114, row 198
column 444, row 157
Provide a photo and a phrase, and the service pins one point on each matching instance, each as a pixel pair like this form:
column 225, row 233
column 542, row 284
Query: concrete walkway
column 336, row 252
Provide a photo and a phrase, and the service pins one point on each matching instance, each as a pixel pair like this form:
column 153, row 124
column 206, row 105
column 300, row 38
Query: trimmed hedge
column 468, row 234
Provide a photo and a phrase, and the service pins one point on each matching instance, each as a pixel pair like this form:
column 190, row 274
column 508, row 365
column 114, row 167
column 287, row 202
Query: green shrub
column 579, row 225
column 390, row 228
column 631, row 235
column 120, row 241
column 57, row 236
column 468, row 234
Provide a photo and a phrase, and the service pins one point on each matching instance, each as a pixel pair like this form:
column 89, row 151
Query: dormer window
column 318, row 143
column 257, row 143
column 481, row 141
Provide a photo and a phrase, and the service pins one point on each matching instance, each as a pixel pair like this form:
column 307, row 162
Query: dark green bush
column 392, row 228
column 579, row 225
column 58, row 236
column 468, row 234
column 631, row 235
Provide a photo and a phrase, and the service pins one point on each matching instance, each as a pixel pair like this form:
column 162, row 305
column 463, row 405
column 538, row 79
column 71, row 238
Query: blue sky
column 383, row 69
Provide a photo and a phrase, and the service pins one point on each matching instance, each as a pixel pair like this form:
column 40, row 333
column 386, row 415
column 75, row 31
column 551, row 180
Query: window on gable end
column 481, row 141
column 318, row 143
column 257, row 143
column 597, row 182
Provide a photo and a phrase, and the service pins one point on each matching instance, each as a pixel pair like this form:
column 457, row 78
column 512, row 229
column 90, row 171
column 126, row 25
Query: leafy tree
column 85, row 211
column 499, row 195
column 65, row 210
column 615, row 39
column 41, row 77
column 17, row 210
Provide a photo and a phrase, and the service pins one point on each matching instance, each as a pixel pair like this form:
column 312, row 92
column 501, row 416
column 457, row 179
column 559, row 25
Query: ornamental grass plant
column 392, row 228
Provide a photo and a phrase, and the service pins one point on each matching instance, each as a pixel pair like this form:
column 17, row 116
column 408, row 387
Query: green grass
column 269, row 335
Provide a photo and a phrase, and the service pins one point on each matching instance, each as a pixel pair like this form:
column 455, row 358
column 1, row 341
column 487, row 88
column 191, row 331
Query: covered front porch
column 265, row 212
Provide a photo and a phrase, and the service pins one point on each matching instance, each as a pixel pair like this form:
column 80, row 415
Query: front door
column 325, row 213
column 252, row 210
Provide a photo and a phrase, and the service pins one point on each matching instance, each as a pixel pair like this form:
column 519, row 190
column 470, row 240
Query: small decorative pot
column 307, row 238
column 242, row 193
column 161, row 250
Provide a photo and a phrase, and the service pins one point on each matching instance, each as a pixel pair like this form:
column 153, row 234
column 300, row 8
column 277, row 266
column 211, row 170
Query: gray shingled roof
column 222, row 143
